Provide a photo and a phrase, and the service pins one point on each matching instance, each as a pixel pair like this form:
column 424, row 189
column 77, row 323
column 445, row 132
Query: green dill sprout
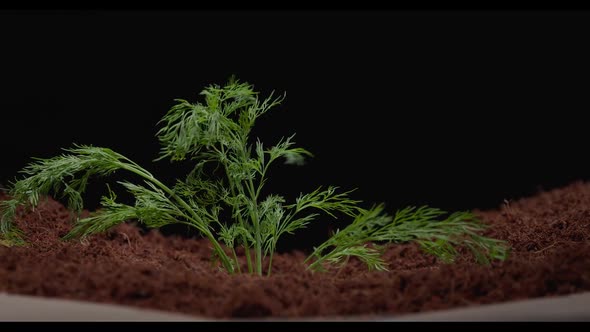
column 226, row 206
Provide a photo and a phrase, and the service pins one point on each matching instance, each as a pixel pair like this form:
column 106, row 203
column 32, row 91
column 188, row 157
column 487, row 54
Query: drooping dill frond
column 112, row 214
column 64, row 176
column 436, row 236
column 152, row 208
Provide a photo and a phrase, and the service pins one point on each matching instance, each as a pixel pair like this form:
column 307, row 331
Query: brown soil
column 549, row 234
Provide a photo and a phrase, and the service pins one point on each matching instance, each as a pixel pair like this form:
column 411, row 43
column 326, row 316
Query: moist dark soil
column 549, row 234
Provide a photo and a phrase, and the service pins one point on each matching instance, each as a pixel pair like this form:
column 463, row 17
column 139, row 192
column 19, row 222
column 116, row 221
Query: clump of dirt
column 549, row 235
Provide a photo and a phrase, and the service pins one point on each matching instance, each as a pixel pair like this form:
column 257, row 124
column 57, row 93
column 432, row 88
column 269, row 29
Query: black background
column 454, row 109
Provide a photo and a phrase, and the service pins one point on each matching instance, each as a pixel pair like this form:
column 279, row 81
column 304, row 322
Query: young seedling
column 221, row 196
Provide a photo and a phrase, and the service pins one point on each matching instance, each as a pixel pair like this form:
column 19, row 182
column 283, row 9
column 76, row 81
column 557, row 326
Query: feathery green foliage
column 221, row 196
column 437, row 237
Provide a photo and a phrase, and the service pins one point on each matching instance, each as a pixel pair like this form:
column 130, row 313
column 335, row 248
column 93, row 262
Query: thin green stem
column 232, row 187
column 256, row 223
column 261, row 182
column 253, row 213
column 248, row 258
column 236, row 260
column 269, row 264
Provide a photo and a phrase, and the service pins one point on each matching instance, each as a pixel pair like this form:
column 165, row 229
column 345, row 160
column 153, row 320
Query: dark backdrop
column 457, row 110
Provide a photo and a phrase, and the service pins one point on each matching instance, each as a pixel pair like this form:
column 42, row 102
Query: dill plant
column 229, row 173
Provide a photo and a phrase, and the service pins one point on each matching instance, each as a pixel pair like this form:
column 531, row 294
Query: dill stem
column 232, row 186
column 248, row 258
column 256, row 222
column 236, row 259
column 269, row 265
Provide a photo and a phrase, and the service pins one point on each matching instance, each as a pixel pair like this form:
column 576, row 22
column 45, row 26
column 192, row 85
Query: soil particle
column 549, row 235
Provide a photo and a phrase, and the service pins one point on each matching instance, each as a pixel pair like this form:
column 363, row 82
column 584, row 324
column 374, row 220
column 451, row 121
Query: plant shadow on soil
column 548, row 233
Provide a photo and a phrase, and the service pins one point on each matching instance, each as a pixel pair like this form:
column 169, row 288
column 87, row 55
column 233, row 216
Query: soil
column 549, row 234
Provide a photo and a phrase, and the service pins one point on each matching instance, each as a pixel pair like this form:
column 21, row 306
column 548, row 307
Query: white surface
column 26, row 308
column 574, row 307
